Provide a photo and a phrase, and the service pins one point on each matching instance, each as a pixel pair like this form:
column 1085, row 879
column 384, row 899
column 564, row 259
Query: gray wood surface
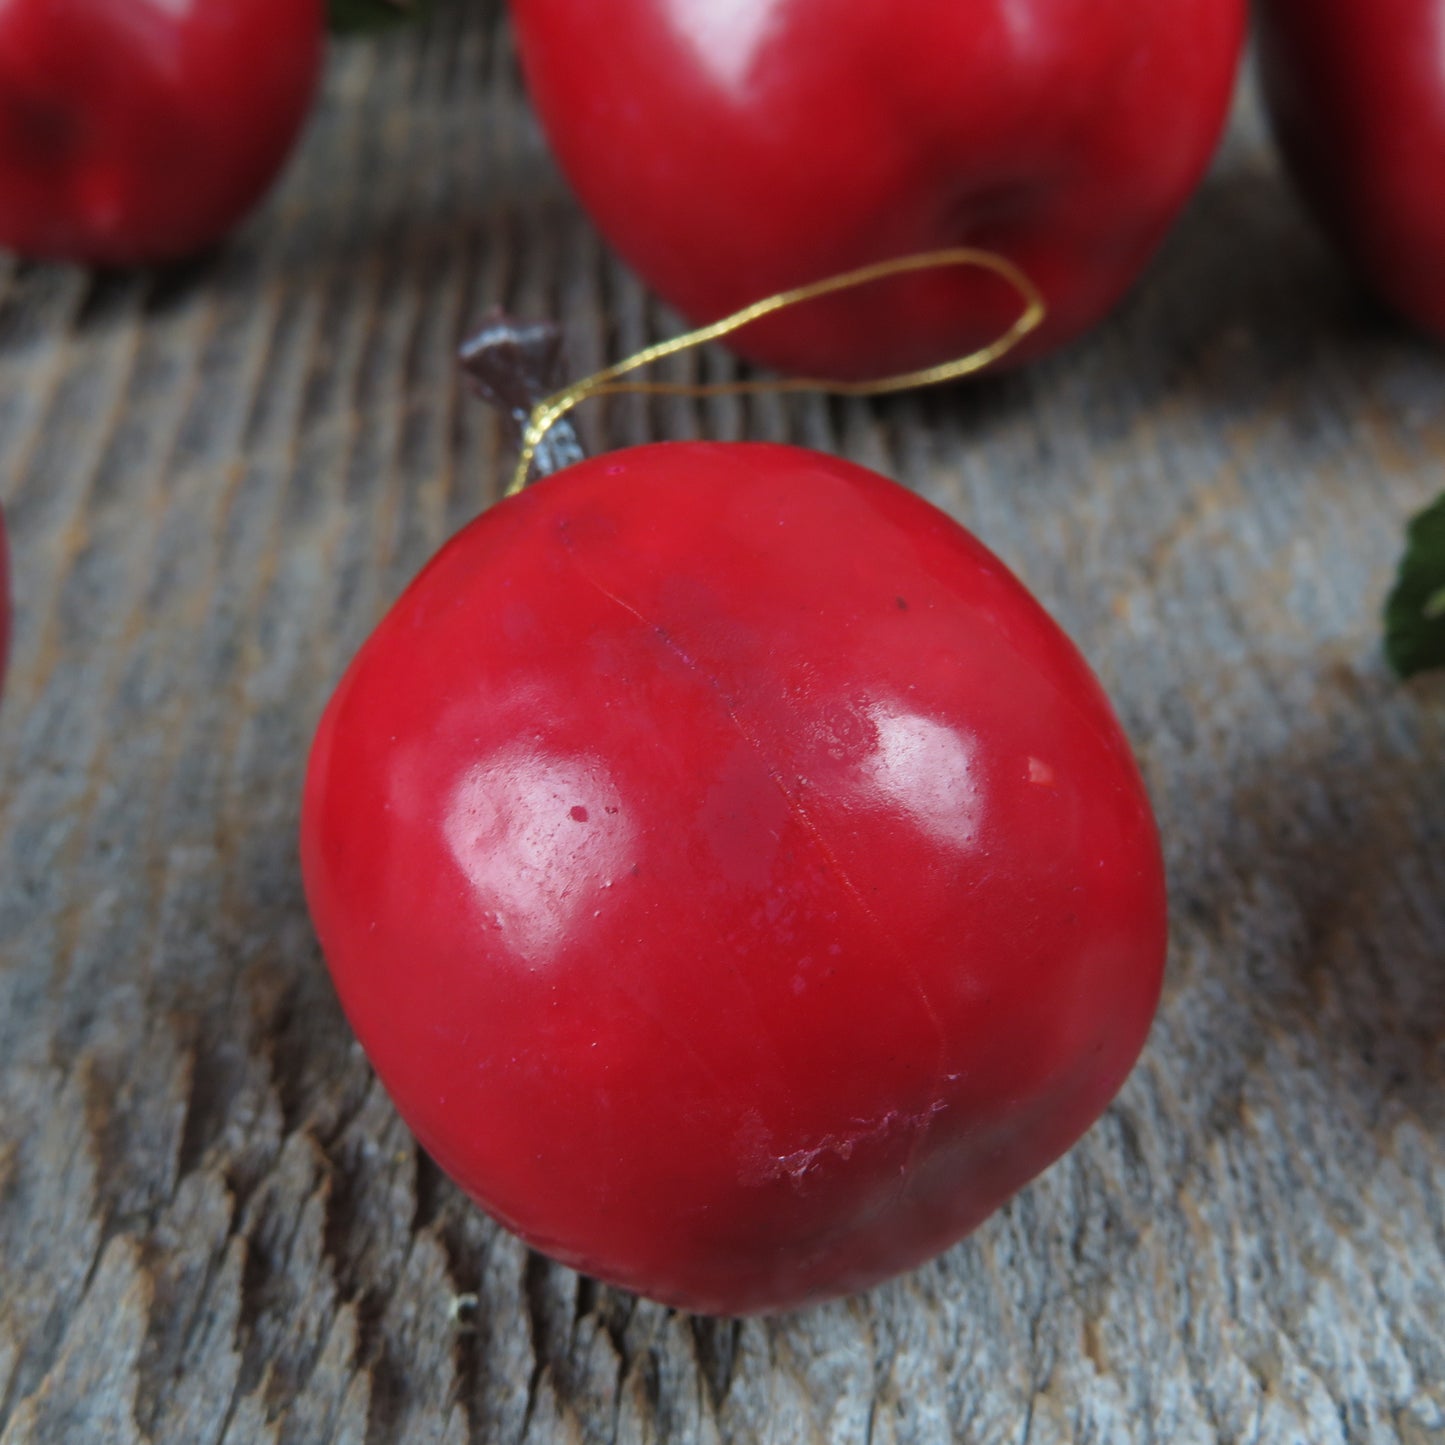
column 212, row 1225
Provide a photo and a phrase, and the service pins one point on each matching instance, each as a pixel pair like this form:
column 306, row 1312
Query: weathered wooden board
column 212, row 1225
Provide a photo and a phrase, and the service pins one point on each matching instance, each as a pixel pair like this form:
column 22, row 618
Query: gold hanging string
column 551, row 409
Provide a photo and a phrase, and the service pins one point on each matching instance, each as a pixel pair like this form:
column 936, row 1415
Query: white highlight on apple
column 726, row 35
column 539, row 839
column 929, row 772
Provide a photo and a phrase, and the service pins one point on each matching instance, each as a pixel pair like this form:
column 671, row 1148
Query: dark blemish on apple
column 902, row 604
column 50, row 131
column 579, row 814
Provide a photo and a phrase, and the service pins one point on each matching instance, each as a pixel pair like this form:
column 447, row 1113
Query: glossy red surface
column 740, row 883
column 731, row 150
column 136, row 131
column 1356, row 91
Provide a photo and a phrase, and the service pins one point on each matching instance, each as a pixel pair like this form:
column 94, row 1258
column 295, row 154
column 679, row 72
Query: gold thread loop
column 551, row 409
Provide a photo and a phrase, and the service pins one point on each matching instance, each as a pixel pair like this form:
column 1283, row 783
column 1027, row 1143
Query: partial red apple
column 731, row 149
column 1356, row 92
column 142, row 131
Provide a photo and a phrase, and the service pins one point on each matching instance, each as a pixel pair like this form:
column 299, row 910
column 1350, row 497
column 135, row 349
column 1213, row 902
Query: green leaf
column 1415, row 612
column 352, row 17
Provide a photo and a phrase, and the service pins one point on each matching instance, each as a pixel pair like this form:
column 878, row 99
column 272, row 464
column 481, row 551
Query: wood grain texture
column 213, row 1228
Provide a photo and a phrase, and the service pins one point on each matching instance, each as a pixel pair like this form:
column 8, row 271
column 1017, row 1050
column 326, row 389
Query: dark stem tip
column 513, row 365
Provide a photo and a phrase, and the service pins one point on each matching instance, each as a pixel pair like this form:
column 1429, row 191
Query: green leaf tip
column 1415, row 609
column 355, row 17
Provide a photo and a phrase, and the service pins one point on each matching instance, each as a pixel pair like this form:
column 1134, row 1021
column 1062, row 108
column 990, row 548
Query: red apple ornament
column 139, row 131
column 732, row 149
column 739, row 882
column 1356, row 92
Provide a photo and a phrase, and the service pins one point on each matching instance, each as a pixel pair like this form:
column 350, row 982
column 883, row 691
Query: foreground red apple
column 738, row 881
column 135, row 131
column 731, row 149
column 1356, row 91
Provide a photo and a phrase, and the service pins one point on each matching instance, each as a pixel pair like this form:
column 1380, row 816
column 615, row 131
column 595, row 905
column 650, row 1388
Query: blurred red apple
column 731, row 149
column 1356, row 92
column 138, row 131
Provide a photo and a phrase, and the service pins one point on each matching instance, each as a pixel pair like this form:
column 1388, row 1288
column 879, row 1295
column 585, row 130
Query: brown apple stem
column 514, row 365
